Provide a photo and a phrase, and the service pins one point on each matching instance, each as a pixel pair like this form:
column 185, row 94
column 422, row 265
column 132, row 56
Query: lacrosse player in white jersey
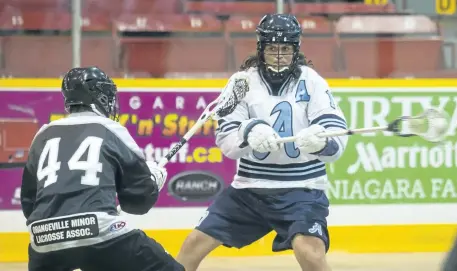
column 278, row 187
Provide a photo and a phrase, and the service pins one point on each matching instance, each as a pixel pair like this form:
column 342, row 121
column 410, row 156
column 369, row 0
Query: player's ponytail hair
column 252, row 60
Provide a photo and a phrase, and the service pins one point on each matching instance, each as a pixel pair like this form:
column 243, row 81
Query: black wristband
column 248, row 129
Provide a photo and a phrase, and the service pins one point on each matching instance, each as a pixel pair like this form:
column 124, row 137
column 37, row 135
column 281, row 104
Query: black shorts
column 134, row 251
column 239, row 217
column 450, row 262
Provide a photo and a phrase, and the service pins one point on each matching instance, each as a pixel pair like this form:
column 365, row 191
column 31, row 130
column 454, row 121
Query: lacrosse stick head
column 230, row 97
column 432, row 125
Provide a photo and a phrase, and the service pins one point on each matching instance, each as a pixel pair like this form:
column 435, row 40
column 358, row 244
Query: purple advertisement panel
column 156, row 120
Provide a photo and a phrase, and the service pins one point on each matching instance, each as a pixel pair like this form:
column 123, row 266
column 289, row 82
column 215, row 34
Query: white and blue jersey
column 300, row 103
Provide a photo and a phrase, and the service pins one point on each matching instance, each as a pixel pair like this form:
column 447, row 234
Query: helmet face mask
column 104, row 98
column 278, row 56
column 278, row 46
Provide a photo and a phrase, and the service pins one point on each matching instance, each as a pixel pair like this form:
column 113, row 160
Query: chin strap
column 96, row 111
column 269, row 67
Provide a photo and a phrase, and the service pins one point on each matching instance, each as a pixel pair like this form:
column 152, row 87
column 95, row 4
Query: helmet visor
column 108, row 99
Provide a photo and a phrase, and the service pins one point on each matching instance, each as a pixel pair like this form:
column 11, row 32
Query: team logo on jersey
column 195, row 186
column 316, row 228
column 63, row 229
column 203, row 217
column 117, row 226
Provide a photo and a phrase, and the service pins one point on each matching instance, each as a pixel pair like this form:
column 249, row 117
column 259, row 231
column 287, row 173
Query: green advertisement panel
column 380, row 168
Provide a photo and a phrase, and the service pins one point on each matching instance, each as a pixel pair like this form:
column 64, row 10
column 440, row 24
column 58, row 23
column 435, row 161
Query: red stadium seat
column 167, row 23
column 48, row 5
column 382, row 57
column 49, row 55
column 230, row 7
column 50, row 20
column 119, row 7
column 99, row 51
column 176, row 52
column 340, row 8
column 242, row 39
column 34, row 56
column 37, row 56
column 388, row 24
column 315, row 25
column 35, row 20
column 412, row 45
column 310, row 24
column 318, row 43
column 96, row 22
column 176, row 55
column 322, row 53
column 242, row 24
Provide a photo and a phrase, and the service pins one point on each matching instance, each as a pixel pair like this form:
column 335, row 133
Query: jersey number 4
column 284, row 127
column 91, row 166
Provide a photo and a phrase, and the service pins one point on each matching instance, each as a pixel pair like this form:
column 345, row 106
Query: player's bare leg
column 195, row 248
column 310, row 253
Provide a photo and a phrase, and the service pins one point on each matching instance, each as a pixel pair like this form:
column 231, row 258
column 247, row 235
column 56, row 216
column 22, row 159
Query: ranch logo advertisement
column 375, row 169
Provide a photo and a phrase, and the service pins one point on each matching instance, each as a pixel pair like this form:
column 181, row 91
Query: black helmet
column 279, row 29
column 92, row 88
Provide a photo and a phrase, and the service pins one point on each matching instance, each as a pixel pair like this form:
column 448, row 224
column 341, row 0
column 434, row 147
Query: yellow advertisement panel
column 445, row 7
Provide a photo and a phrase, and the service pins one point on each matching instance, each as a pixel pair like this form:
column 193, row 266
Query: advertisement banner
column 156, row 120
column 382, row 168
column 375, row 169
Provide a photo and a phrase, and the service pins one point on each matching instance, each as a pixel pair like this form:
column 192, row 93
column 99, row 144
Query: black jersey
column 79, row 163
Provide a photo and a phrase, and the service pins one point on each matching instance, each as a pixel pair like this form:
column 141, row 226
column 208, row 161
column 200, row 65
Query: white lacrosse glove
column 308, row 141
column 160, row 174
column 259, row 135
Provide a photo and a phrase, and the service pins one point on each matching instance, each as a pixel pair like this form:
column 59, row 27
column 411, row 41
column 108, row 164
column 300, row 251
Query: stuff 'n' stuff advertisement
column 375, row 168
column 156, row 120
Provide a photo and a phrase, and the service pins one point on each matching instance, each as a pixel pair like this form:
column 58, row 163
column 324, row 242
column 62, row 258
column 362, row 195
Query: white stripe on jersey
column 277, row 172
column 330, row 120
column 225, row 126
column 91, row 118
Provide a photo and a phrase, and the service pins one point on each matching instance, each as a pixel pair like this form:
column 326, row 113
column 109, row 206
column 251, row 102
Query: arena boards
column 387, row 194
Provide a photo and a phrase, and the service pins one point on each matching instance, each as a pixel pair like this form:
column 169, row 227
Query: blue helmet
column 278, row 29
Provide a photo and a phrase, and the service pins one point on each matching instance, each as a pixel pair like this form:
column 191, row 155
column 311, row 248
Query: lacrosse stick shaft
column 337, row 133
column 222, row 106
column 184, row 139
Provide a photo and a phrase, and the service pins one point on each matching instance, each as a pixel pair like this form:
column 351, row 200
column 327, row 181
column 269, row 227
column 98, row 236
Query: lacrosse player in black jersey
column 75, row 168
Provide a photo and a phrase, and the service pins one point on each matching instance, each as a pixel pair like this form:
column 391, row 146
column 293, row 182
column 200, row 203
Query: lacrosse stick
column 225, row 104
column 432, row 125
